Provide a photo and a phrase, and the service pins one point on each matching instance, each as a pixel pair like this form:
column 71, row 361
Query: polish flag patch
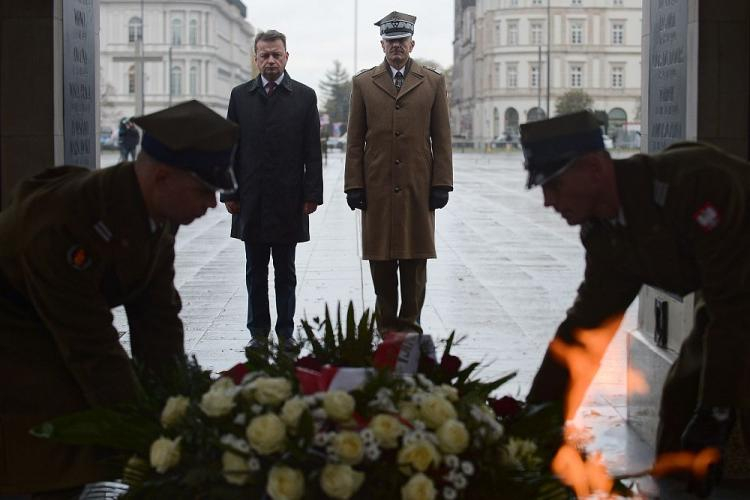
column 707, row 217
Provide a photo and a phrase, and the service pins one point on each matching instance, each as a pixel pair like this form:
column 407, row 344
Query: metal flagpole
column 549, row 62
column 357, row 220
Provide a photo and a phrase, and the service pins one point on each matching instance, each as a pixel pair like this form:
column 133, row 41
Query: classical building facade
column 191, row 49
column 501, row 57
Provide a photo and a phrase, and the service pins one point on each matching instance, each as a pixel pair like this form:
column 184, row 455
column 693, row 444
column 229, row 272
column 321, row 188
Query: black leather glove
column 356, row 199
column 709, row 428
column 438, row 197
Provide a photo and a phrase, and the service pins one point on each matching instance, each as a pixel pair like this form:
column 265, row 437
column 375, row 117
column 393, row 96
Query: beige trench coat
column 398, row 147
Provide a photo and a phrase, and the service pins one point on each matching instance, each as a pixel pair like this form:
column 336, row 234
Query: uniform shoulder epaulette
column 365, row 70
column 434, row 70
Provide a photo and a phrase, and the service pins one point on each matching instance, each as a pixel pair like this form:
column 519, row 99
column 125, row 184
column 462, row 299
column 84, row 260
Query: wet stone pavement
column 507, row 269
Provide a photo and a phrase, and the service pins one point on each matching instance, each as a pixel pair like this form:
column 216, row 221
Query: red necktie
column 270, row 87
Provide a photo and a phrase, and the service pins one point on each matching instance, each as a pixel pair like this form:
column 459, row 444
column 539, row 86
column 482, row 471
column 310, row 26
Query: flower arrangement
column 277, row 428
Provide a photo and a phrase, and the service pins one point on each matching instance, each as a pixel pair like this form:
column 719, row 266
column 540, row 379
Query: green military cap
column 192, row 137
column 549, row 146
column 396, row 25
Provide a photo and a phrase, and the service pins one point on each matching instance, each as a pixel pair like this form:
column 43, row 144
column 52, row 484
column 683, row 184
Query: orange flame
column 637, row 382
column 583, row 359
column 685, row 461
column 585, row 477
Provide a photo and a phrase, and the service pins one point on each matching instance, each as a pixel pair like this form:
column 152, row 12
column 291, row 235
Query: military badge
column 78, row 258
column 707, row 217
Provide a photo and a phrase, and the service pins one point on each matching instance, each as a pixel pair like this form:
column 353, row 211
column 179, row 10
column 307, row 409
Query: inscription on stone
column 668, row 73
column 79, row 66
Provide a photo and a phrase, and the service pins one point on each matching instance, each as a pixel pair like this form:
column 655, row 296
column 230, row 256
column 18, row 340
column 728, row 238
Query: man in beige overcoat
column 398, row 170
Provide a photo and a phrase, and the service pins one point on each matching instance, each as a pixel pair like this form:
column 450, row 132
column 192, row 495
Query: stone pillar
column 696, row 86
column 42, row 41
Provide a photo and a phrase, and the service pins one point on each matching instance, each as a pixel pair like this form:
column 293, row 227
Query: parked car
column 507, row 140
column 107, row 139
column 337, row 142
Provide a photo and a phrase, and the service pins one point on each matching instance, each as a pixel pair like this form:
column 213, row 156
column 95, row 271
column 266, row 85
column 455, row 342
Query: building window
column 497, row 40
column 511, row 75
column 514, row 3
column 536, row 2
column 618, row 33
column 135, row 29
column 536, row 33
column 575, row 2
column 617, row 2
column 175, row 81
column 176, row 31
column 512, row 32
column 576, row 75
column 534, row 76
column 193, row 80
column 497, row 73
column 618, row 79
column 131, row 79
column 193, row 32
column 576, row 32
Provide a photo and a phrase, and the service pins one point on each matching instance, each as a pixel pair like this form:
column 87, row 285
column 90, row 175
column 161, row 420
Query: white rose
column 292, row 411
column 272, row 390
column 453, row 438
column 219, row 400
column 340, row 481
column 235, row 468
column 349, row 447
column 419, row 487
column 174, row 410
column 434, row 410
column 285, row 483
column 266, row 434
column 448, row 391
column 338, row 405
column 387, row 430
column 420, row 455
column 521, row 453
column 165, row 454
column 408, row 410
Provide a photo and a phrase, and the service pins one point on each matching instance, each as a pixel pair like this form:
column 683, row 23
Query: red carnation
column 450, row 365
column 505, row 407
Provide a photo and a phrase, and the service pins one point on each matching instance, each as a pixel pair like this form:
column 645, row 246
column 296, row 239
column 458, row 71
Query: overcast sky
column 320, row 31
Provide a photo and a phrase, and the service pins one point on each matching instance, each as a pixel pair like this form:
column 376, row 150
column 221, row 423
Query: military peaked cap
column 192, row 137
column 396, row 25
column 549, row 146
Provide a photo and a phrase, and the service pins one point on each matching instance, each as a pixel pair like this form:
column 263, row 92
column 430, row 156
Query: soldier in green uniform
column 678, row 220
column 76, row 243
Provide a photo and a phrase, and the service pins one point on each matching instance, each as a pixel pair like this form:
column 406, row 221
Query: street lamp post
column 354, row 69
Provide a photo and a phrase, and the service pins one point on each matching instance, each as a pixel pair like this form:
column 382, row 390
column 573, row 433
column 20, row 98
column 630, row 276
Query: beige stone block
column 26, row 79
column 723, row 10
column 733, row 57
column 22, row 157
column 733, row 115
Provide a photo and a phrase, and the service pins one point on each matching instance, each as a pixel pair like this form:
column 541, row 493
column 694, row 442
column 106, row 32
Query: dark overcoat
column 74, row 244
column 398, row 148
column 685, row 226
column 278, row 161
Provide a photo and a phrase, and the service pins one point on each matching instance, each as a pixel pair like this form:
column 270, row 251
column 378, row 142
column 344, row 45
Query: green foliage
column 336, row 90
column 572, row 101
column 351, row 347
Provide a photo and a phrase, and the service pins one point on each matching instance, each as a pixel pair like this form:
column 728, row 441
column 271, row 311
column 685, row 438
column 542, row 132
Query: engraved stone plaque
column 79, row 91
column 667, row 84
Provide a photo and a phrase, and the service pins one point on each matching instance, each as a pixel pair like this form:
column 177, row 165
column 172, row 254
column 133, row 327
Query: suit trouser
column 285, row 282
column 682, row 389
column 385, row 279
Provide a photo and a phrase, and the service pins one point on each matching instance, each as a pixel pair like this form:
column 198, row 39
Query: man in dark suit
column 279, row 173
column 76, row 243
